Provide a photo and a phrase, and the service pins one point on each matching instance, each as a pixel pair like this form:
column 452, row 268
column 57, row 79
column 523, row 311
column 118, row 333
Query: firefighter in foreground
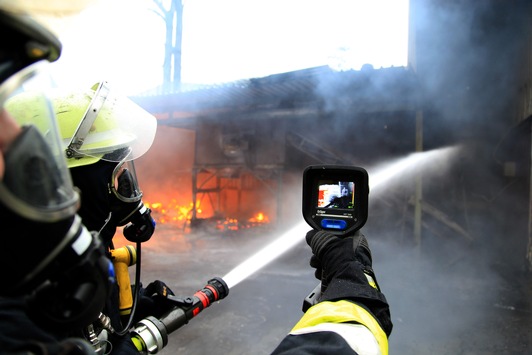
column 55, row 274
column 105, row 133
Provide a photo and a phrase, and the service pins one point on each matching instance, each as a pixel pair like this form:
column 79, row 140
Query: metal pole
column 419, row 183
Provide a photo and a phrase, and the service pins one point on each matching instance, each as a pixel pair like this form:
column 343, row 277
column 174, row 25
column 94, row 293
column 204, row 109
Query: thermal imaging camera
column 335, row 198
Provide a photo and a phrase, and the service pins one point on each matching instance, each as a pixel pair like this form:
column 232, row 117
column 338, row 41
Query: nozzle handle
column 151, row 334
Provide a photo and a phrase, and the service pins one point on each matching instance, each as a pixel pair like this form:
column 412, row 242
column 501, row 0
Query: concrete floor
column 457, row 306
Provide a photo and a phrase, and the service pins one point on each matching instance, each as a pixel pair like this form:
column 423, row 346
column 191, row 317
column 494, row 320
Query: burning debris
column 172, row 213
column 178, row 215
column 233, row 224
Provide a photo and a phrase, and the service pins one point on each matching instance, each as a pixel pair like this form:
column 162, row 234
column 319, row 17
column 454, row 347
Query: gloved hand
column 344, row 266
column 153, row 300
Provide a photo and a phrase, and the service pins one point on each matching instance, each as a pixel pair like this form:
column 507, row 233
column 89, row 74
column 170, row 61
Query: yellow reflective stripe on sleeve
column 341, row 312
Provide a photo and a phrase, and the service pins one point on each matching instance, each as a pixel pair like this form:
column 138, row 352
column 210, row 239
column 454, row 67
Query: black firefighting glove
column 154, row 300
column 344, row 266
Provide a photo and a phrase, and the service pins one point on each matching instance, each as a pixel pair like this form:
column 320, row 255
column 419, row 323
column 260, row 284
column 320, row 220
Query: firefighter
column 55, row 274
column 104, row 134
column 351, row 315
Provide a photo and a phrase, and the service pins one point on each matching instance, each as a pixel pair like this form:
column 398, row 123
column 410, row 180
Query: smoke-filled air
column 443, row 130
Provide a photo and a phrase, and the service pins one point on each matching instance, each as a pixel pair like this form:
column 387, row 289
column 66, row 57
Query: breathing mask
column 47, row 255
column 127, row 208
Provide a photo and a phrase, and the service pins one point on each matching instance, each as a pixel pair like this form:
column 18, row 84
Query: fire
column 259, row 218
column 172, row 212
column 233, row 224
column 177, row 214
column 228, row 224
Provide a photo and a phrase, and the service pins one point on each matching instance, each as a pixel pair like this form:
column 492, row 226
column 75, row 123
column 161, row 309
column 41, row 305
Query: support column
column 419, row 183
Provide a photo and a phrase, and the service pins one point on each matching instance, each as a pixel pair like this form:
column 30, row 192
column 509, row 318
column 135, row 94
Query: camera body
column 335, row 198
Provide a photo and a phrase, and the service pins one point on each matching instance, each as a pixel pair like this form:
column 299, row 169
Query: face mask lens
column 125, row 185
column 36, row 183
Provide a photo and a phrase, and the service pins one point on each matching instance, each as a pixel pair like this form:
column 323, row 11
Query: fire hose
column 151, row 334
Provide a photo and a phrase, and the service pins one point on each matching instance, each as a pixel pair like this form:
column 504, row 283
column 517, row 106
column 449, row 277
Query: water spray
column 415, row 163
column 379, row 177
column 267, row 254
column 151, row 334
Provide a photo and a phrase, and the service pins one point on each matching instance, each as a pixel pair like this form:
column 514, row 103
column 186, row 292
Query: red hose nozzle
column 151, row 334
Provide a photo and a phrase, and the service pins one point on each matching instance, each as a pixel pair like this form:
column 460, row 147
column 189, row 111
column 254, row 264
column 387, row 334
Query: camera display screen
column 335, row 198
column 336, row 194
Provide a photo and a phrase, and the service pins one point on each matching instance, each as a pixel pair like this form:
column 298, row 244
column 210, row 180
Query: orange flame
column 171, row 213
column 233, row 224
column 174, row 213
column 259, row 218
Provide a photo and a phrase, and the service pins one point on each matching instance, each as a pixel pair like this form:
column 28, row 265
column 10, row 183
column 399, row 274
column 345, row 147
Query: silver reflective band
column 87, row 121
column 83, row 242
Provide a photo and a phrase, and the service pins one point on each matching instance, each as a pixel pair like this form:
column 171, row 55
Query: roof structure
column 312, row 91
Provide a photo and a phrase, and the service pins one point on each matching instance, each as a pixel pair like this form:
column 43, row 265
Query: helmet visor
column 36, row 183
column 100, row 124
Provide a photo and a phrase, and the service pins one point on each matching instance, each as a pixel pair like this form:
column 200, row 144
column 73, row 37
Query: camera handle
column 312, row 297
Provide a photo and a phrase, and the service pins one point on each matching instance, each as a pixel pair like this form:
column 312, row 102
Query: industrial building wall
column 473, row 60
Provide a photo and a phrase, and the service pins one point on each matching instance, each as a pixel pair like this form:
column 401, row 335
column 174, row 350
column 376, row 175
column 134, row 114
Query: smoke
column 383, row 176
column 450, row 290
column 467, row 55
column 164, row 172
column 459, row 288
